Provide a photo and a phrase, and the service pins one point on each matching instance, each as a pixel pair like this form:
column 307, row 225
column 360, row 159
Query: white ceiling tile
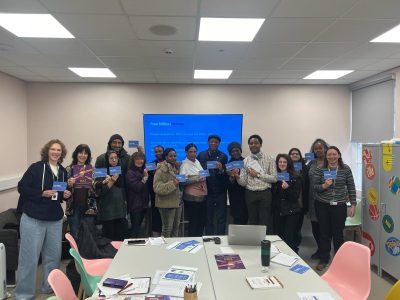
column 9, row 42
column 373, row 50
column 29, row 60
column 288, row 74
column 357, row 75
column 102, row 80
column 382, row 65
column 382, row 9
column 170, row 63
column 70, row 47
column 312, row 8
column 160, row 7
column 22, row 6
column 114, row 47
column 52, row 72
column 5, row 62
column 78, row 61
column 135, row 75
column 243, row 74
column 215, row 62
column 348, row 64
column 244, row 81
column 173, row 79
column 97, row 26
column 278, row 81
column 185, row 27
column 305, row 64
column 266, row 50
column 237, row 8
column 348, row 30
column 291, row 30
column 325, row 50
column 324, row 81
column 182, row 73
column 159, row 48
column 83, row 6
column 17, row 71
column 261, row 64
column 212, row 55
column 67, row 79
column 121, row 62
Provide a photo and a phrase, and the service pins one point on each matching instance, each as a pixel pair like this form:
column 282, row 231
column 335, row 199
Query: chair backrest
column 351, row 265
column 89, row 282
column 394, row 292
column 72, row 241
column 61, row 285
column 356, row 220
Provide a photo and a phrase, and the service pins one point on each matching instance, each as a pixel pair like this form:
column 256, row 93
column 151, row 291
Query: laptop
column 250, row 235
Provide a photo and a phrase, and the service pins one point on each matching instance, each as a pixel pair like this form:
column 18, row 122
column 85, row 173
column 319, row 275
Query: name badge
column 283, row 176
column 59, row 186
column 212, row 164
column 309, row 156
column 133, row 144
column 181, row 177
column 100, row 172
column 151, row 166
column 333, row 203
column 115, row 170
column 235, row 165
column 330, row 175
column 204, row 173
column 298, row 166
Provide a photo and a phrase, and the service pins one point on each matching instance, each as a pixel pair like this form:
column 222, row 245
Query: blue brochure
column 115, row 170
column 239, row 164
column 151, row 166
column 59, row 186
column 298, row 166
column 309, row 156
column 204, row 173
column 133, row 144
column 283, row 176
column 330, row 174
column 181, row 177
column 100, row 172
column 299, row 269
column 212, row 164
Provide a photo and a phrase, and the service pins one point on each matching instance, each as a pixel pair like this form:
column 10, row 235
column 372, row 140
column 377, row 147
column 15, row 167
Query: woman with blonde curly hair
column 41, row 221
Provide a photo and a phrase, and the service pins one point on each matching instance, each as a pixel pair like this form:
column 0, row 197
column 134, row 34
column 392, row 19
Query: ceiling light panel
column 328, row 74
column 212, row 74
column 391, row 36
column 93, row 72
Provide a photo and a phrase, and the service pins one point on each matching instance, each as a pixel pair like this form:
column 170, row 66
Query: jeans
column 216, row 204
column 37, row 237
column 170, row 218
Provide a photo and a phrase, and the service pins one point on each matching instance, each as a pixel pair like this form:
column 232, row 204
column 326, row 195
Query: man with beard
column 216, row 186
column 258, row 174
column 115, row 143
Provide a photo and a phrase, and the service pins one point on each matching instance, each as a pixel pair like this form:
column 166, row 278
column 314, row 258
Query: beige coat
column 167, row 194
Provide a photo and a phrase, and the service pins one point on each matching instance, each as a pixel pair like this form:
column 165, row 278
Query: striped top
column 342, row 189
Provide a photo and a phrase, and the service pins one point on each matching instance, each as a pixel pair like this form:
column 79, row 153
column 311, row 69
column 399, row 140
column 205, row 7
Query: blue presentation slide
column 178, row 130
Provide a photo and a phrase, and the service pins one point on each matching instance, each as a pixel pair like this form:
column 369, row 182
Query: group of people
column 257, row 196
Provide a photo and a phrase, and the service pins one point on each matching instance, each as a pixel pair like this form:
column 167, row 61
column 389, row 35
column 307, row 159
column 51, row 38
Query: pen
column 125, row 287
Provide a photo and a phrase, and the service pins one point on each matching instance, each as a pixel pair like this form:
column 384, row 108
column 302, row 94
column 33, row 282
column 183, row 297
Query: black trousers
column 287, row 229
column 136, row 221
column 196, row 212
column 216, row 205
column 316, row 233
column 115, row 229
column 331, row 220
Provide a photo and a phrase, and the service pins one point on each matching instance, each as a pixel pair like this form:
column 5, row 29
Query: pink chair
column 349, row 273
column 94, row 267
column 116, row 244
column 61, row 285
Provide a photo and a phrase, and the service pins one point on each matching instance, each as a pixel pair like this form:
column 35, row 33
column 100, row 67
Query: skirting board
column 9, row 183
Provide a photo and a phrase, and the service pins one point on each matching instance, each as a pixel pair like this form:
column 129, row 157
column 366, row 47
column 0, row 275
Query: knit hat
column 234, row 145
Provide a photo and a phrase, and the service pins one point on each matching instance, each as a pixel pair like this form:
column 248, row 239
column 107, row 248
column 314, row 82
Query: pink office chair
column 349, row 273
column 95, row 267
column 116, row 244
column 61, row 285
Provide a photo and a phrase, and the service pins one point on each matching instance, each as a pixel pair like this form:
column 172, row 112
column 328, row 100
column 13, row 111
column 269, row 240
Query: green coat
column 167, row 194
column 111, row 202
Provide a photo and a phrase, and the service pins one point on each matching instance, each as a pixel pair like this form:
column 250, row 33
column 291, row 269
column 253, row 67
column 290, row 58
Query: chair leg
column 80, row 291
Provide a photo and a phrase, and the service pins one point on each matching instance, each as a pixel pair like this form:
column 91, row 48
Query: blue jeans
column 37, row 237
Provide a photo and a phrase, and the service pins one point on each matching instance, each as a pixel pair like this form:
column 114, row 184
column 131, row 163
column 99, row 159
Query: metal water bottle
column 265, row 253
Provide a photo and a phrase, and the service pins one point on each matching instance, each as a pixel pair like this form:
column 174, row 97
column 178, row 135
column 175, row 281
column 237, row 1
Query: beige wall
column 13, row 135
column 285, row 116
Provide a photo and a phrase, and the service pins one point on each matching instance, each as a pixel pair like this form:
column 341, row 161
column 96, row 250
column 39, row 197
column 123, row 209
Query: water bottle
column 265, row 253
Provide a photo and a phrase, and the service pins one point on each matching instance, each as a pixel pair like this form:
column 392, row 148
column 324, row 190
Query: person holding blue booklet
column 42, row 189
column 195, row 191
column 286, row 193
column 111, row 201
column 334, row 186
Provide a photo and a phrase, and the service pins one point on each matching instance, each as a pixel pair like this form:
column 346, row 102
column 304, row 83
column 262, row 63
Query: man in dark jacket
column 115, row 143
column 216, row 186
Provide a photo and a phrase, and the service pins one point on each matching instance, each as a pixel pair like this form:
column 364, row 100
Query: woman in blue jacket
column 41, row 222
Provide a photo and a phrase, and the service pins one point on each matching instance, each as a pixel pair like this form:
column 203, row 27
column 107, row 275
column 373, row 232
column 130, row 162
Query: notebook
column 251, row 235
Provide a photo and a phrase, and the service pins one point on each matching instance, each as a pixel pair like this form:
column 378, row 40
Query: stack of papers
column 264, row 282
column 315, row 296
column 191, row 246
column 284, row 259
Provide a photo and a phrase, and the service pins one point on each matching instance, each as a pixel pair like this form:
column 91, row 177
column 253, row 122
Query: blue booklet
column 151, row 166
column 115, row 170
column 309, row 156
column 330, row 174
column 204, row 173
column 181, row 177
column 283, row 176
column 239, row 164
column 299, row 269
column 133, row 144
column 298, row 166
column 59, row 186
column 212, row 164
column 100, row 172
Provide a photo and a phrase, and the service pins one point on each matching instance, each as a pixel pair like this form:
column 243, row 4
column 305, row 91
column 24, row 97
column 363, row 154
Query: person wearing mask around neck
column 330, row 204
column 166, row 188
column 155, row 213
column 138, row 193
column 216, row 186
column 286, row 205
column 41, row 221
column 236, row 192
column 258, row 174
column 195, row 191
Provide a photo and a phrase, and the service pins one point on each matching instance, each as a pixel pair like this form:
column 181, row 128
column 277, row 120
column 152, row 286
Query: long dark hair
column 319, row 141
column 290, row 167
column 79, row 149
column 340, row 160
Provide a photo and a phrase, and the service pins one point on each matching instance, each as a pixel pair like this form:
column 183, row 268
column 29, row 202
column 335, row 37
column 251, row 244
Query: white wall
column 13, row 135
column 285, row 116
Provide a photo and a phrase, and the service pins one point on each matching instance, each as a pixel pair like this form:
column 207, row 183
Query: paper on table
column 284, row 259
column 315, row 296
column 274, row 250
column 196, row 249
column 226, row 250
column 157, row 241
